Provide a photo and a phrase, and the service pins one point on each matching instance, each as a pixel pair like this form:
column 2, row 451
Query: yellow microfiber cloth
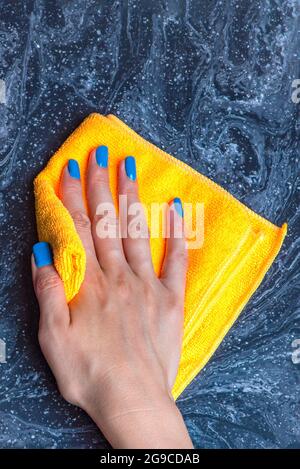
column 239, row 245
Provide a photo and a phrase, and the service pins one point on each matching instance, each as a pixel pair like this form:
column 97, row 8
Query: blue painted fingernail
column 102, row 156
column 130, row 167
column 73, row 168
column 42, row 254
column 178, row 206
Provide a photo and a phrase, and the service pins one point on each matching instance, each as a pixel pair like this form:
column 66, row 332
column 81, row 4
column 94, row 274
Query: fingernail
column 178, row 206
column 130, row 167
column 73, row 168
column 42, row 254
column 102, row 156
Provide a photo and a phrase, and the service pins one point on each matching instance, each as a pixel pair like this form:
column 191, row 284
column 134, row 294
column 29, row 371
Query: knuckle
column 72, row 187
column 98, row 179
column 173, row 301
column 49, row 327
column 49, row 337
column 47, row 282
column 181, row 258
column 81, row 220
column 139, row 231
column 131, row 189
column 95, row 279
column 123, row 285
column 52, row 323
column 115, row 260
column 109, row 220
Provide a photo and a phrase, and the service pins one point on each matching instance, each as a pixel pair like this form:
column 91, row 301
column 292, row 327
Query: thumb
column 49, row 288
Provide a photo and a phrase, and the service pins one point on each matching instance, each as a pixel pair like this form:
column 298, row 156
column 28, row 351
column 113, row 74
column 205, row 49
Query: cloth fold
column 238, row 244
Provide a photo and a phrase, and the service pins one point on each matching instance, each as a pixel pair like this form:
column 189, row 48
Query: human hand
column 115, row 348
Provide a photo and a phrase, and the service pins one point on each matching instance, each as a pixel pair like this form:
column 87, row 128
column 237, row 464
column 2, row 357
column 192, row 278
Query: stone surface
column 211, row 82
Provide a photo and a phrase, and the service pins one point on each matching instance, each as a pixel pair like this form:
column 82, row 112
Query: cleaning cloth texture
column 238, row 245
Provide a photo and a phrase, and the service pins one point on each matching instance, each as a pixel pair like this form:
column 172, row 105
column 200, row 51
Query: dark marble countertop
column 211, row 82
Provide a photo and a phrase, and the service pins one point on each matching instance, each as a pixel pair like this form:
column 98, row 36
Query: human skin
column 115, row 348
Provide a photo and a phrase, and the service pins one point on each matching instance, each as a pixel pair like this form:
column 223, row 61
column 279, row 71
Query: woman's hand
column 115, row 348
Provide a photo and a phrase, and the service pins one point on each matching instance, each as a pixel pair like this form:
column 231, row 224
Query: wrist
column 109, row 400
column 137, row 414
column 144, row 425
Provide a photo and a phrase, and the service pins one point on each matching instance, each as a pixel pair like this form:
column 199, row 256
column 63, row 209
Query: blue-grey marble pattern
column 211, row 82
